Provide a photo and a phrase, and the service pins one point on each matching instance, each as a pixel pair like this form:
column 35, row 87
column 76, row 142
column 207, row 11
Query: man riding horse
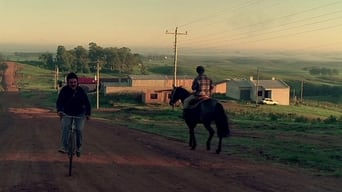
column 202, row 86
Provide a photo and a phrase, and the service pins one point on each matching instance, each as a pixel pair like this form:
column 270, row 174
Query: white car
column 269, row 101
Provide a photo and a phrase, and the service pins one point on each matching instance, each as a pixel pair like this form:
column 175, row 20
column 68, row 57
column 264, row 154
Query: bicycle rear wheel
column 71, row 150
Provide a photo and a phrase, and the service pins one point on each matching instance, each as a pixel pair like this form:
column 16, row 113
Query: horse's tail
column 221, row 120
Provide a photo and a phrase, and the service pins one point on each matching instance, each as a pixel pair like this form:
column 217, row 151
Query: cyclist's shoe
column 78, row 153
column 62, row 150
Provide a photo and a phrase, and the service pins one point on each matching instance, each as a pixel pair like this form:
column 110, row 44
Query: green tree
column 81, row 59
column 95, row 54
column 3, row 65
column 47, row 61
column 127, row 60
column 62, row 59
column 111, row 58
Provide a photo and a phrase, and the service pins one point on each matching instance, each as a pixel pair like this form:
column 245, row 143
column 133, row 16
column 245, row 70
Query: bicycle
column 71, row 150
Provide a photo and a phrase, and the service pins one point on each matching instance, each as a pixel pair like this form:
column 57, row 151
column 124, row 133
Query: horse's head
column 178, row 93
column 174, row 96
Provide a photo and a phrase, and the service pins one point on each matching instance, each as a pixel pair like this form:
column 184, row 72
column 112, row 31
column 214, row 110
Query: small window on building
column 154, row 96
column 259, row 93
column 169, row 95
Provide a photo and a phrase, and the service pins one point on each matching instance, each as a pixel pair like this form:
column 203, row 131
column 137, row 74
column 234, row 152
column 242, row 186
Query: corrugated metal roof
column 86, row 80
column 269, row 84
column 115, row 79
column 242, row 82
column 157, row 77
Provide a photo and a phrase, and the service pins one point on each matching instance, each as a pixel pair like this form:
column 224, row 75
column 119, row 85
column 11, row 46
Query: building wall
column 153, row 91
column 157, row 91
column 281, row 95
column 220, row 88
column 166, row 83
column 233, row 89
column 109, row 90
column 149, row 83
column 151, row 96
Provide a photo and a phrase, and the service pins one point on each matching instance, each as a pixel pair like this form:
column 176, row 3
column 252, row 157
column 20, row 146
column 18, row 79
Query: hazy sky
column 217, row 25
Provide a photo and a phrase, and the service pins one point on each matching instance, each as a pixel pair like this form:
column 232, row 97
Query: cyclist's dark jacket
column 73, row 102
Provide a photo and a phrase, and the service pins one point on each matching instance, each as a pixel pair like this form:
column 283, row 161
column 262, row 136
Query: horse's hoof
column 218, row 151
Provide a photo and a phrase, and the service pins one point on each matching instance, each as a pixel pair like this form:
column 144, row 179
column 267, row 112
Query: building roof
column 242, row 82
column 156, row 77
column 114, row 79
column 269, row 84
column 86, row 80
column 220, row 82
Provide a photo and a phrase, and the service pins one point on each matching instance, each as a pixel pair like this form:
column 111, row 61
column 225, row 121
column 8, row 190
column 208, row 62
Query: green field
column 292, row 69
column 229, row 67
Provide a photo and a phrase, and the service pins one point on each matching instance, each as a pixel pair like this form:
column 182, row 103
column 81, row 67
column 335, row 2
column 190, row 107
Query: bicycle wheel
column 71, row 150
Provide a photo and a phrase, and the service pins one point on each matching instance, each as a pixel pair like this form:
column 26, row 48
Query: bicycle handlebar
column 62, row 114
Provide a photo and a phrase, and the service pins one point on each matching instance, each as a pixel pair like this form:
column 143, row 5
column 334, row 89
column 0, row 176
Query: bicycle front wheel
column 71, row 150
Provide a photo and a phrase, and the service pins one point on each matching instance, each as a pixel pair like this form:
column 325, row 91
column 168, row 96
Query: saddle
column 196, row 101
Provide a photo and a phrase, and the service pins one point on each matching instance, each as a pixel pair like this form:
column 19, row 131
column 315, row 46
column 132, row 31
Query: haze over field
column 219, row 26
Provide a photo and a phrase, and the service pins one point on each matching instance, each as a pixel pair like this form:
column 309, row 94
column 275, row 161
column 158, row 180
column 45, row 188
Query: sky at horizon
column 211, row 26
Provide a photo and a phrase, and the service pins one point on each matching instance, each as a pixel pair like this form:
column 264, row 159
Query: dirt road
column 121, row 159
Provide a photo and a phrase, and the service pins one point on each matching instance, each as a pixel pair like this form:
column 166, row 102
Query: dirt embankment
column 8, row 80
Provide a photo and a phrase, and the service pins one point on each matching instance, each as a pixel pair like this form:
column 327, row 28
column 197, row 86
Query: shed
column 256, row 90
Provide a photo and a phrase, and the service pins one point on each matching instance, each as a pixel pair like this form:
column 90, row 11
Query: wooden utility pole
column 175, row 54
column 301, row 91
column 257, row 89
column 56, row 86
column 97, row 85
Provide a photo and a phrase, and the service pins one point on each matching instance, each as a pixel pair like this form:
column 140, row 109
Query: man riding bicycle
column 72, row 101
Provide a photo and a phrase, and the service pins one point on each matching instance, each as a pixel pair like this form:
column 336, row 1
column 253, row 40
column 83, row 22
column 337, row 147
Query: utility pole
column 175, row 54
column 56, row 78
column 97, row 85
column 56, row 86
column 257, row 89
column 301, row 91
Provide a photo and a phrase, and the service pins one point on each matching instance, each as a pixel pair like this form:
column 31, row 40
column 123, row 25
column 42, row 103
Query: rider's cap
column 200, row 69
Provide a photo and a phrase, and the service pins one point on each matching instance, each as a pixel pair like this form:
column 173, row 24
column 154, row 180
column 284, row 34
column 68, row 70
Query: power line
column 290, row 23
column 218, row 13
column 219, row 38
column 242, row 36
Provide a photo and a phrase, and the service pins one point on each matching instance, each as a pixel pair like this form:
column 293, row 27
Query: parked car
column 269, row 101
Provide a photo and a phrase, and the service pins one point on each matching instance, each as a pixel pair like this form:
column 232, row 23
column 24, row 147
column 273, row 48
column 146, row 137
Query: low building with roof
column 220, row 87
column 87, row 83
column 154, row 88
column 256, row 90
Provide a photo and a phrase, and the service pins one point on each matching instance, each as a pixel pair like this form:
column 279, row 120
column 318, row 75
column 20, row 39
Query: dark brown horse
column 204, row 112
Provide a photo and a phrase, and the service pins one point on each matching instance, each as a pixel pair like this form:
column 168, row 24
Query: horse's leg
column 211, row 134
column 191, row 133
column 218, row 150
column 192, row 141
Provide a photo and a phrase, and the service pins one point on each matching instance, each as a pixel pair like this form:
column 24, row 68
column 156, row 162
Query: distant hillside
column 292, row 68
